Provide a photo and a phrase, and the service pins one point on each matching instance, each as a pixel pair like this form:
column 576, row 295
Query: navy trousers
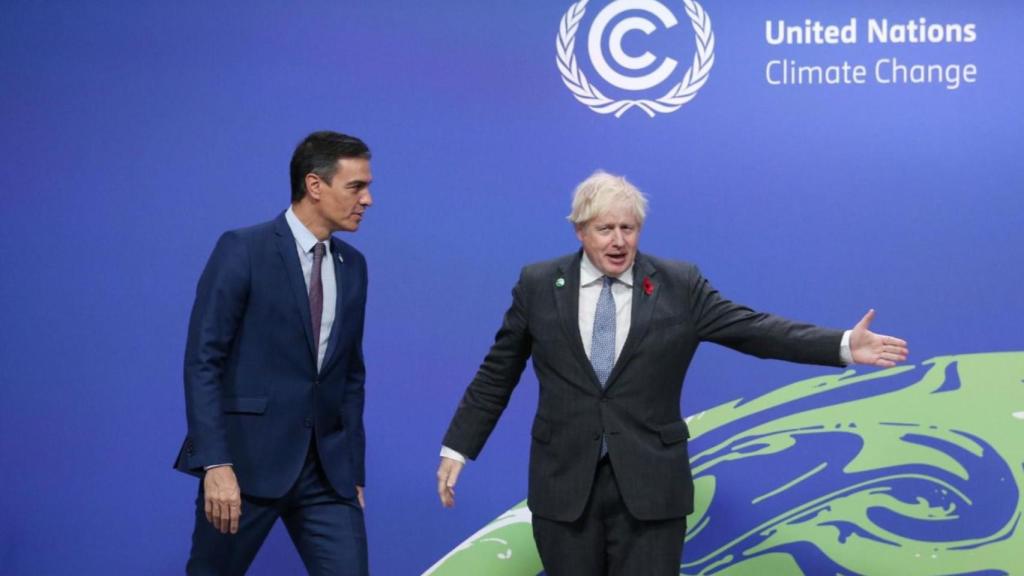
column 328, row 530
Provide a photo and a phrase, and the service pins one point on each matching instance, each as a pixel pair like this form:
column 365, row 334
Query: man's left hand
column 361, row 497
column 872, row 349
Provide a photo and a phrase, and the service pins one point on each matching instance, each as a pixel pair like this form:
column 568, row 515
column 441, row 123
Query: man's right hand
column 223, row 499
column 447, row 476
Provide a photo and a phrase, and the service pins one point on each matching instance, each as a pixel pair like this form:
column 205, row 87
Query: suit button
column 308, row 422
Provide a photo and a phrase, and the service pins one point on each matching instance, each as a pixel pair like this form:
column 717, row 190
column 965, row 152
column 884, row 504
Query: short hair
column 600, row 192
column 319, row 153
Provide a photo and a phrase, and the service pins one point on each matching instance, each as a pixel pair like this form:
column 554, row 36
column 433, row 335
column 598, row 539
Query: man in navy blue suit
column 274, row 375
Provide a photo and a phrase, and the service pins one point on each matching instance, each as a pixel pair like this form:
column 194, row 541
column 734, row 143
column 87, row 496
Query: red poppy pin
column 648, row 286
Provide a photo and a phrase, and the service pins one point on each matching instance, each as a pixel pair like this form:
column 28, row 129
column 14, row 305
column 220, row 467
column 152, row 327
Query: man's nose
column 367, row 199
column 617, row 237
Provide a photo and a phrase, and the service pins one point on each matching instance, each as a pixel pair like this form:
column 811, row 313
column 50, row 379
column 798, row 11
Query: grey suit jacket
column 674, row 310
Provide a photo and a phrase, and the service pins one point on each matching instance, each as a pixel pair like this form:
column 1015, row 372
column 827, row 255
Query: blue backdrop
column 134, row 133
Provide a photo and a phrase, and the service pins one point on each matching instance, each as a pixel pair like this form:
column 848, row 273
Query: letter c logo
column 601, row 21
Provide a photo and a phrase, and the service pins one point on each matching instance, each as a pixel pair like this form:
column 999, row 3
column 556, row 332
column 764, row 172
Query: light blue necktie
column 602, row 344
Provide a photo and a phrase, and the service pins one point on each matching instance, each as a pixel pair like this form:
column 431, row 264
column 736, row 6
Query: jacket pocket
column 541, row 431
column 244, row 404
column 674, row 432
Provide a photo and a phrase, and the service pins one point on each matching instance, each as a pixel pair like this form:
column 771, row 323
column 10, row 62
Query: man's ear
column 579, row 231
column 313, row 186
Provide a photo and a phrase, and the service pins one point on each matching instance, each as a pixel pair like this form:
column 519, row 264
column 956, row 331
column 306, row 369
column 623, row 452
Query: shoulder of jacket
column 546, row 268
column 252, row 232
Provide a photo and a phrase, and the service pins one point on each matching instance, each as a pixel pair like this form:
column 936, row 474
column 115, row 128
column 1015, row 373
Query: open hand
column 872, row 349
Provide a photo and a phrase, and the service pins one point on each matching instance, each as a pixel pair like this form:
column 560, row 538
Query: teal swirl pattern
column 914, row 470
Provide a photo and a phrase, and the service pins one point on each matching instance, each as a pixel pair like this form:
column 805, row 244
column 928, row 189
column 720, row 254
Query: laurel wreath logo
column 678, row 95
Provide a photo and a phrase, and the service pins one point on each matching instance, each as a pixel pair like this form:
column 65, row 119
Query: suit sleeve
column 763, row 335
column 355, row 395
column 220, row 303
column 488, row 394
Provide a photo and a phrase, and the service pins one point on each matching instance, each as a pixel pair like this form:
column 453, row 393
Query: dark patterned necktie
column 316, row 297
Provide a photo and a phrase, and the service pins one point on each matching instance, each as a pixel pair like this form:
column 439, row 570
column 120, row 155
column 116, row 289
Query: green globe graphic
column 914, row 470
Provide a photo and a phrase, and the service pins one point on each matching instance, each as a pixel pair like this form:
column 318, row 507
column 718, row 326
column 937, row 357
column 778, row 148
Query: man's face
column 346, row 198
column 610, row 239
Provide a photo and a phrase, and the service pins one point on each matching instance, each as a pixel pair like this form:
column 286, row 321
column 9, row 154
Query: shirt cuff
column 844, row 349
column 447, row 452
column 212, row 466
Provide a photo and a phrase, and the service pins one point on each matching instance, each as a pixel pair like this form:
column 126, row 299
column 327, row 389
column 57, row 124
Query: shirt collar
column 590, row 274
column 303, row 237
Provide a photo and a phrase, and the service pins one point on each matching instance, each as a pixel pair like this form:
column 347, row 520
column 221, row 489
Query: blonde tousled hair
column 601, row 191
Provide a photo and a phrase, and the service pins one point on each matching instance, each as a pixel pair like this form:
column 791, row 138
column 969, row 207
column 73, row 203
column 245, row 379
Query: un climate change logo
column 588, row 94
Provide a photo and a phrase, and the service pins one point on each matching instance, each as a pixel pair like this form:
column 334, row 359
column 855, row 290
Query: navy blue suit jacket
column 253, row 395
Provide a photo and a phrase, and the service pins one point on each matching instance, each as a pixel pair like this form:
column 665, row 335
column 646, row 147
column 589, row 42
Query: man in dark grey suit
column 612, row 332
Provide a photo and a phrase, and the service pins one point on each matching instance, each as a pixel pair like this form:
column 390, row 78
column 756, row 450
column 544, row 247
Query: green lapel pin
column 560, row 282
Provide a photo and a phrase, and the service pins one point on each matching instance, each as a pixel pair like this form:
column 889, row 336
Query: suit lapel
column 289, row 254
column 567, row 299
column 641, row 312
column 342, row 280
